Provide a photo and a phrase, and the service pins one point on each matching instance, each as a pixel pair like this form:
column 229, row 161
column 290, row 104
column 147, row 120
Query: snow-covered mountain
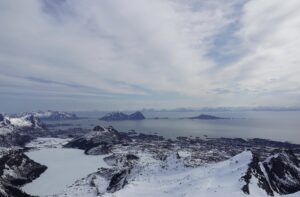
column 9, row 124
column 51, row 115
column 15, row 131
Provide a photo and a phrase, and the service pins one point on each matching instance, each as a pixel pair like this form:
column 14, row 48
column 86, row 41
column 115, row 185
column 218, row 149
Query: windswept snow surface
column 221, row 179
column 20, row 122
column 152, row 177
column 174, row 180
column 65, row 166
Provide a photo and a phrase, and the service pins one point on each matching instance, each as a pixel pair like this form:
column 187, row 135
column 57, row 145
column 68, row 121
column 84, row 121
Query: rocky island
column 205, row 117
column 118, row 116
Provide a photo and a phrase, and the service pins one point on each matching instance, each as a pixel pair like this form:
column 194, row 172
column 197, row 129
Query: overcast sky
column 132, row 54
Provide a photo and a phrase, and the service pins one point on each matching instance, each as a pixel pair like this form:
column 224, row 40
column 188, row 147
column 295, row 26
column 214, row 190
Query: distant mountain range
column 222, row 109
column 51, row 115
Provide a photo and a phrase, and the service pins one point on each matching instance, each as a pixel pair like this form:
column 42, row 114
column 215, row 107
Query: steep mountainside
column 16, row 169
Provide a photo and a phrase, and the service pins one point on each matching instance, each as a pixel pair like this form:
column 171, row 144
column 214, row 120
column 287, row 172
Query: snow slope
column 221, row 179
column 171, row 178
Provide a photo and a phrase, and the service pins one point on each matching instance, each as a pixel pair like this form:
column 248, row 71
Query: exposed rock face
column 118, row 181
column 117, row 116
column 98, row 128
column 279, row 173
column 105, row 137
column 255, row 171
column 206, row 117
column 16, row 169
column 121, row 160
column 99, row 150
column 283, row 170
column 14, row 139
column 1, row 117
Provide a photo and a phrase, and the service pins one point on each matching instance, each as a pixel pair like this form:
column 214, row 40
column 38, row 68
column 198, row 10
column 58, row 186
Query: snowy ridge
column 146, row 165
column 51, row 115
column 170, row 177
column 176, row 180
column 9, row 124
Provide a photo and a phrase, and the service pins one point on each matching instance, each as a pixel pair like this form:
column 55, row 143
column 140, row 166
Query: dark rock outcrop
column 254, row 170
column 14, row 139
column 121, row 160
column 105, row 137
column 99, row 150
column 279, row 173
column 283, row 170
column 118, row 181
column 16, row 169
column 98, row 128
column 1, row 117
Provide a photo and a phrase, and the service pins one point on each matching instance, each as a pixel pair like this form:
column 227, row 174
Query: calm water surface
column 282, row 126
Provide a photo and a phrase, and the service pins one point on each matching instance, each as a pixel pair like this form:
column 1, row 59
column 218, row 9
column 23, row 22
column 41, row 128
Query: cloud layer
column 148, row 53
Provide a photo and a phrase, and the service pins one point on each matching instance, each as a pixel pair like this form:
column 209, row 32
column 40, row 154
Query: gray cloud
column 132, row 53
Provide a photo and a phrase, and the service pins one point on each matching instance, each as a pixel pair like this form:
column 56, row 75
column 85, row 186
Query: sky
column 132, row 54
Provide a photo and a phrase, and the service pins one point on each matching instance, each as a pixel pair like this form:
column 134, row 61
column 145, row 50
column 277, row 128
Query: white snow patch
column 48, row 143
column 65, row 166
column 20, row 122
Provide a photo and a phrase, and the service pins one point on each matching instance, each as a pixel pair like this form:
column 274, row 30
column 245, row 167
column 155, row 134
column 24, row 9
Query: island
column 206, row 117
column 118, row 116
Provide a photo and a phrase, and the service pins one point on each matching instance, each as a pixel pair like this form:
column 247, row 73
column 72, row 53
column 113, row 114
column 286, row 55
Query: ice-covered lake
column 65, row 166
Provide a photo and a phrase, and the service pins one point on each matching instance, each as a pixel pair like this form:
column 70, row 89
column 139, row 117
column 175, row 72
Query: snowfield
column 65, row 166
column 221, row 179
column 20, row 122
column 172, row 179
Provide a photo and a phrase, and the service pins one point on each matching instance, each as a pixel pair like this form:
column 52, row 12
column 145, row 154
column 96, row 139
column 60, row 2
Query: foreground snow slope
column 221, row 179
column 171, row 178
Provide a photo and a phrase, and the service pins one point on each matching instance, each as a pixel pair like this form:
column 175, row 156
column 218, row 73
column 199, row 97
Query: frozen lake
column 65, row 166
